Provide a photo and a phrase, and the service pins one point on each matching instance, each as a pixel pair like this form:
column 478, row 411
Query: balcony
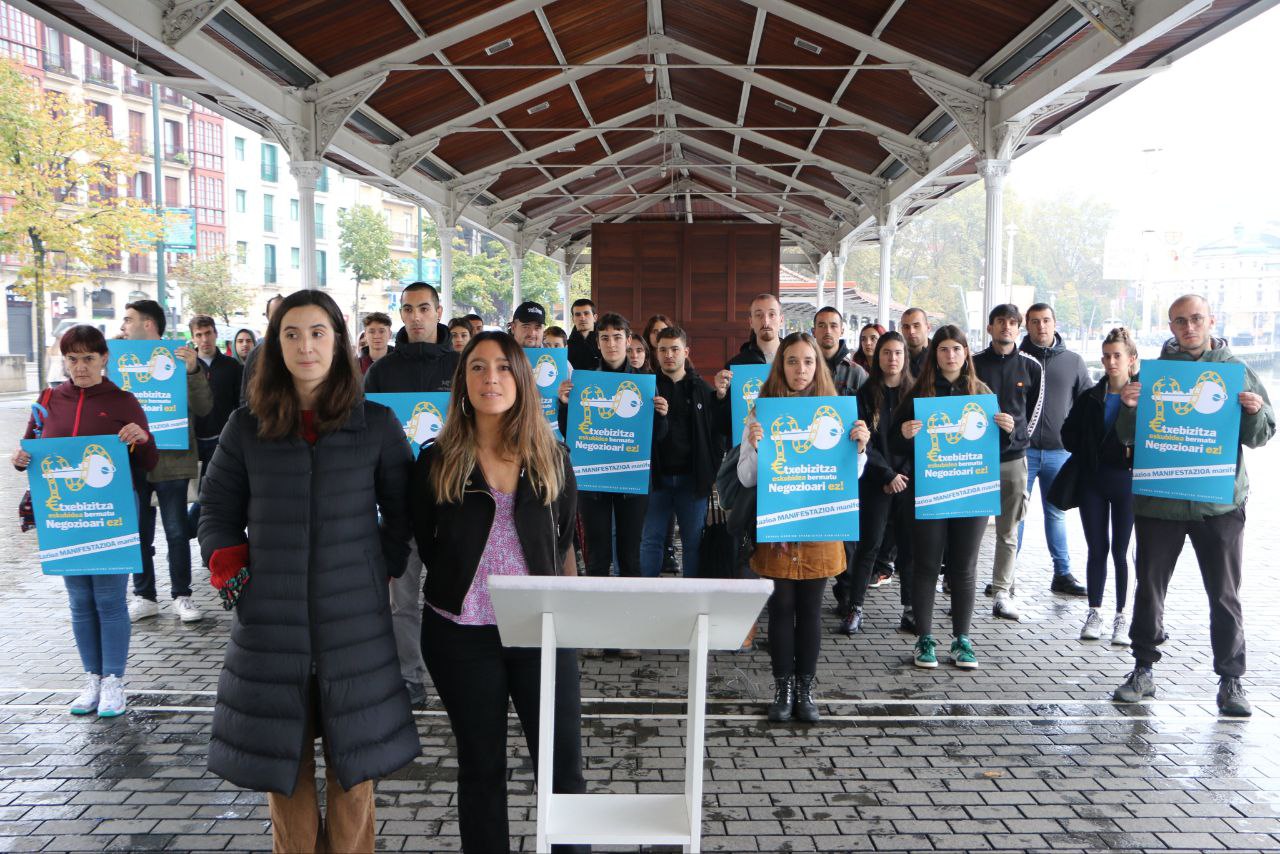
column 176, row 155
column 319, row 230
column 269, row 223
column 97, row 77
column 170, row 97
column 134, row 86
column 58, row 65
column 404, row 240
column 269, row 274
column 270, row 172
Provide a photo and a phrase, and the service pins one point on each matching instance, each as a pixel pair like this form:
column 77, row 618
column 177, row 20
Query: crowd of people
column 358, row 576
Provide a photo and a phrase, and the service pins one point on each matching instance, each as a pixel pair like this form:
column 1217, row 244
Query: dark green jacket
column 1255, row 431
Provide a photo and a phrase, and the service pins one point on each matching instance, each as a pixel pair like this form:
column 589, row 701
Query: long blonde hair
column 775, row 384
column 524, row 431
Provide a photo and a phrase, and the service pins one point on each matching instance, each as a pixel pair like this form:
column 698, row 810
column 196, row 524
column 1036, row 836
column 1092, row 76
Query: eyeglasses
column 1194, row 320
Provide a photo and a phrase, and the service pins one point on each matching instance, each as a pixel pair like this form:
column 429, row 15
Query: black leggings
column 795, row 626
column 885, row 519
column 959, row 539
column 1108, row 496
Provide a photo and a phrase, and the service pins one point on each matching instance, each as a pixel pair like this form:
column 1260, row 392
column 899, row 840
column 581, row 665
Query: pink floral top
column 502, row 556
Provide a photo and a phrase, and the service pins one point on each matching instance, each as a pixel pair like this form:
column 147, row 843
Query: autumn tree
column 364, row 249
column 209, row 286
column 60, row 173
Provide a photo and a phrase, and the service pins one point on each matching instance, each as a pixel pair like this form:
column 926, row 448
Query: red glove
column 229, row 573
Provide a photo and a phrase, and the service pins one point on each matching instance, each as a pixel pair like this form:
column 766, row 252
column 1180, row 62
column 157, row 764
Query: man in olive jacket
column 144, row 320
column 1216, row 530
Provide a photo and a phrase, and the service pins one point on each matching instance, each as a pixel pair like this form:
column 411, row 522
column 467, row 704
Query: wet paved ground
column 1027, row 753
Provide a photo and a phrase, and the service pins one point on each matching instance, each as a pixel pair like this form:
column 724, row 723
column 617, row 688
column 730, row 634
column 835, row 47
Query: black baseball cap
column 531, row 312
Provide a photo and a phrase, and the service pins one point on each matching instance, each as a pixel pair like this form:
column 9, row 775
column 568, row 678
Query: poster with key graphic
column 957, row 457
column 550, row 368
column 1187, row 436
column 743, row 391
column 611, row 431
column 421, row 414
column 807, row 487
column 151, row 372
column 85, row 509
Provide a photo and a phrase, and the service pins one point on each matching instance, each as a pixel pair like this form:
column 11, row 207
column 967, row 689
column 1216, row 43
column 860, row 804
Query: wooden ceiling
column 544, row 116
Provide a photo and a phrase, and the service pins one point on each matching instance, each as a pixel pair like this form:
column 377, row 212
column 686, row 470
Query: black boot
column 784, row 695
column 806, row 709
column 852, row 622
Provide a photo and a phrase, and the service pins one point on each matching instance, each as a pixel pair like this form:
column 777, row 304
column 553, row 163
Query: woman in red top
column 88, row 404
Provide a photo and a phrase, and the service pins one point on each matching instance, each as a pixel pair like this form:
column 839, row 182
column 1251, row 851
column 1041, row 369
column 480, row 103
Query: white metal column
column 517, row 267
column 307, row 173
column 823, row 267
column 993, row 173
column 564, row 293
column 842, row 261
column 445, row 232
column 887, row 233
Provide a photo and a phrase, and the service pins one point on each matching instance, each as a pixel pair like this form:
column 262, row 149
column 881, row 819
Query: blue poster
column 86, row 512
column 421, row 414
column 611, row 430
column 1187, row 435
column 550, row 368
column 743, row 391
column 808, row 469
column 151, row 372
column 957, row 457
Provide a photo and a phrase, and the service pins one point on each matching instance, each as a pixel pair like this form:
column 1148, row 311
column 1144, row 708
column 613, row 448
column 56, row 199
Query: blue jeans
column 100, row 621
column 205, row 448
column 171, row 495
column 1044, row 466
column 672, row 494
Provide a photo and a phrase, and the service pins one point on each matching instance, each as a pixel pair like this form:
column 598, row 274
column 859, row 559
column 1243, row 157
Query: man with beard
column 914, row 326
column 828, row 329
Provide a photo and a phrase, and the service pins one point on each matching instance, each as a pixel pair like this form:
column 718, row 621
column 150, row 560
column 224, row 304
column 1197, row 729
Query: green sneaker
column 962, row 653
column 925, row 655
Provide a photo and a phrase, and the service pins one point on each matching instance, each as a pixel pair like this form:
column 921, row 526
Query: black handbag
column 1065, row 491
column 716, row 554
column 26, row 511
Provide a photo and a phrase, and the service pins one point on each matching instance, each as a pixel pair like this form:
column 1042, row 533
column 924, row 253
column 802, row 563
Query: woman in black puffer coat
column 306, row 468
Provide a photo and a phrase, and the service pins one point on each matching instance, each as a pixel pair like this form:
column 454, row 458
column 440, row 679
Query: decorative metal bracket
column 910, row 157
column 1113, row 17
column 498, row 214
column 332, row 109
column 461, row 197
column 184, row 17
column 968, row 110
column 405, row 157
column 294, row 138
column 866, row 192
column 526, row 236
column 1007, row 136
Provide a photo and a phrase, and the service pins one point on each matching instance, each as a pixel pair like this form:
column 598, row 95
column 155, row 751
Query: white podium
column 626, row 613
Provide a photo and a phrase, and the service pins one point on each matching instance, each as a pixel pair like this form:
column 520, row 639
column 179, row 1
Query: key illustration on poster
column 611, row 431
column 1188, row 427
column 151, row 372
column 550, row 368
column 957, row 457
column 82, row 495
column 743, row 391
column 807, row 489
column 421, row 414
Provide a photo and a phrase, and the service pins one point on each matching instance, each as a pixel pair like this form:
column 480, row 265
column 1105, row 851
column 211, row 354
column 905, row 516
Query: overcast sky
column 1212, row 123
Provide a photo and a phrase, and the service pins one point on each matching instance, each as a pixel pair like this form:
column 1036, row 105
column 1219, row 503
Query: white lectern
column 628, row 613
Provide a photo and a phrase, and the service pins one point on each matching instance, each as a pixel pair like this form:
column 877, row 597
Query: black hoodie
column 1065, row 378
column 847, row 374
column 584, row 352
column 748, row 354
column 1015, row 379
column 414, row 367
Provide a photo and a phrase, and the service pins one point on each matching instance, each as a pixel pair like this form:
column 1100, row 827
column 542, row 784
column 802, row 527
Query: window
column 172, row 195
column 57, row 51
column 269, row 213
column 140, row 186
column 242, row 201
column 209, row 241
column 242, row 252
column 319, row 222
column 208, row 193
column 97, row 68
column 18, row 36
column 134, row 85
column 137, row 132
column 322, row 272
column 101, row 111
column 293, row 210
column 270, row 165
column 322, row 185
column 206, row 144
column 239, row 146
column 295, row 257
column 269, row 264
column 172, row 139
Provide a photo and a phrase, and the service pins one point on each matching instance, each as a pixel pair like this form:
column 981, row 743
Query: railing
column 168, row 96
column 58, row 65
column 134, row 86
column 269, row 274
column 269, row 223
column 176, row 155
column 320, row 230
column 270, row 171
column 98, row 79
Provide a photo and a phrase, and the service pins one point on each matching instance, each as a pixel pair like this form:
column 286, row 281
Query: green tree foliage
column 61, row 167
column 209, row 286
column 364, row 249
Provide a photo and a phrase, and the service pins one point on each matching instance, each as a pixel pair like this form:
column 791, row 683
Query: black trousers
column 795, row 626
column 1106, row 514
column 1219, row 545
column 886, row 521
column 958, row 539
column 602, row 514
column 475, row 675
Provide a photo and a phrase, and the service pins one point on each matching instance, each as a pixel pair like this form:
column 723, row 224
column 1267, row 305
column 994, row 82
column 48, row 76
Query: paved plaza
column 1027, row 753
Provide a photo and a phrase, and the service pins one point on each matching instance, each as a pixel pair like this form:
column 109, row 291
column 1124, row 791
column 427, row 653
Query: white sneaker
column 141, row 609
column 186, row 610
column 1092, row 625
column 1004, row 608
column 112, row 703
column 1120, row 630
column 87, row 701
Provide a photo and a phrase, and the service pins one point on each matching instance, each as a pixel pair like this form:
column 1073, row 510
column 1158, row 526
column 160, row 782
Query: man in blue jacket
column 1162, row 526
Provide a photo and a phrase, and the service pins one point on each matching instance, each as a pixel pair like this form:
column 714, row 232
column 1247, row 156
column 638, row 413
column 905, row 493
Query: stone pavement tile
column 24, row 843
